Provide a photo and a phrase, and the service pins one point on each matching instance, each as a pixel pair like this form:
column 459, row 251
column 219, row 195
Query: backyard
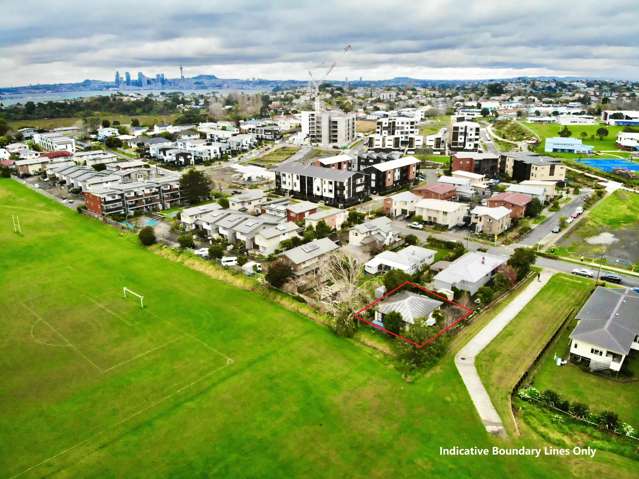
column 598, row 392
column 609, row 231
column 608, row 143
column 205, row 380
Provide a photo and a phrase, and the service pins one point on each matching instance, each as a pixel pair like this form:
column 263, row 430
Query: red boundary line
column 427, row 341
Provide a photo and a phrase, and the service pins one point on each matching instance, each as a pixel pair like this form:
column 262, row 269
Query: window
column 596, row 352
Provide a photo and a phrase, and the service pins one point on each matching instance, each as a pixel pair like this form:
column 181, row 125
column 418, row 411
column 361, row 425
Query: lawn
column 513, row 351
column 598, row 392
column 206, row 380
column 276, row 156
column 434, row 124
column 616, row 214
column 545, row 130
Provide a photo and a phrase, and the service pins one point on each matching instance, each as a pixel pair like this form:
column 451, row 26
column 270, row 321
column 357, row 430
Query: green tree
column 322, row 230
column 394, row 278
column 223, row 202
column 521, row 260
column 99, row 167
column 563, row 221
column 565, row 132
column 485, row 112
column 414, row 357
column 279, row 272
column 309, row 234
column 393, row 322
column 411, row 239
column 105, row 123
column 216, row 251
column 602, row 132
column 534, row 208
column 147, row 236
column 195, row 186
column 135, row 122
column 345, row 323
column 186, row 240
column 485, row 294
column 113, row 142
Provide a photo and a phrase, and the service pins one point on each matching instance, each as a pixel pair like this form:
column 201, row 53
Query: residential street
column 540, row 232
column 465, row 358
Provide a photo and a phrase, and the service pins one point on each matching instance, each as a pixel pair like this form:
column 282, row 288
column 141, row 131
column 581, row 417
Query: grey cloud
column 485, row 35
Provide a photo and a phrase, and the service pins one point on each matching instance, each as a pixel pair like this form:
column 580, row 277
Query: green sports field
column 207, row 380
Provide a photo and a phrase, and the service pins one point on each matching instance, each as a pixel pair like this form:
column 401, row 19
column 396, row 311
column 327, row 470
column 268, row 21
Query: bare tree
column 337, row 283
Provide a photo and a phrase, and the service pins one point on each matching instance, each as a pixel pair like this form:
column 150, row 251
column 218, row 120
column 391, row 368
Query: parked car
column 611, row 278
column 229, row 261
column 416, row 225
column 570, row 219
column 202, row 252
column 583, row 272
column 556, row 229
column 579, row 210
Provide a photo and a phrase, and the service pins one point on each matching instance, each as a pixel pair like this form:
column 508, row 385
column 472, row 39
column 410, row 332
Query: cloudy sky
column 43, row 41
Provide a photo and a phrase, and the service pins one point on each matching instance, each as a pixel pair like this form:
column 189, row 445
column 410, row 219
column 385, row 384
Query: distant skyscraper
column 181, row 73
column 127, row 78
column 117, row 79
column 141, row 79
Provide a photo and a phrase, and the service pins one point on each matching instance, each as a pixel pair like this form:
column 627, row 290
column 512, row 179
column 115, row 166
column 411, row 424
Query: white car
column 229, row 261
column 583, row 272
column 570, row 219
column 416, row 226
column 202, row 252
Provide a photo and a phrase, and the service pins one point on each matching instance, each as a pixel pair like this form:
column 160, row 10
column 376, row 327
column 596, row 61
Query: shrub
column 216, row 251
column 411, row 239
column 186, row 240
column 223, row 202
column 485, row 294
column 5, row 172
column 580, row 410
column 550, row 397
column 147, row 236
column 608, row 420
column 393, row 322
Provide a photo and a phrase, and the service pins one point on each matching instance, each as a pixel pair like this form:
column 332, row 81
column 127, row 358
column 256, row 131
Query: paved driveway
column 465, row 358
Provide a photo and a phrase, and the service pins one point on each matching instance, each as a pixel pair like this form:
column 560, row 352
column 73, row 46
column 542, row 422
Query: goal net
column 126, row 292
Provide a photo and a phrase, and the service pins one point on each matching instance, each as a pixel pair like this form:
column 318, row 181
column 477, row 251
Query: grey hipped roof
column 410, row 305
column 609, row 319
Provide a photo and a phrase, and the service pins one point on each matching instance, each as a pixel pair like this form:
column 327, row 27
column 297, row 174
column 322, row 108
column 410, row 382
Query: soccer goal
column 126, row 291
column 17, row 227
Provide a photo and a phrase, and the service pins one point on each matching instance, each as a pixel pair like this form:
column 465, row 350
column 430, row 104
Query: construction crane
column 314, row 85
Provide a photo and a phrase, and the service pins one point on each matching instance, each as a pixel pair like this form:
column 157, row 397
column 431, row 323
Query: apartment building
column 54, row 142
column 328, row 128
column 338, row 188
column 132, row 198
column 525, row 166
column 392, row 175
column 437, row 142
column 464, row 136
column 396, row 133
column 476, row 162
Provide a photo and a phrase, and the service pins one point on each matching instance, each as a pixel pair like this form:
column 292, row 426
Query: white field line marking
column 69, row 343
column 229, row 360
column 141, row 355
column 108, row 310
column 44, row 343
column 126, row 419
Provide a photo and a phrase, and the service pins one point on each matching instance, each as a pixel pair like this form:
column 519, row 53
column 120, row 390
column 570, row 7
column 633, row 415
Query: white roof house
column 536, row 191
column 469, row 272
column 442, row 212
column 188, row 216
column 495, row 213
column 409, row 260
column 268, row 240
